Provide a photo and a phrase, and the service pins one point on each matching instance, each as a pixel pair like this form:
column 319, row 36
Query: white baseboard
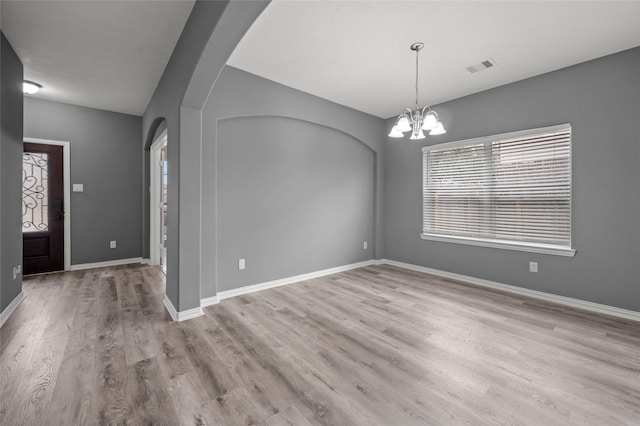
column 290, row 280
column 170, row 308
column 562, row 300
column 145, row 261
column 117, row 262
column 209, row 301
column 4, row 316
column 183, row 315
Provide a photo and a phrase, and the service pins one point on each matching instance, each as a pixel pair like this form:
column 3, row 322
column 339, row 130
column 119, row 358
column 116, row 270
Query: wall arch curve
column 301, row 120
column 158, row 125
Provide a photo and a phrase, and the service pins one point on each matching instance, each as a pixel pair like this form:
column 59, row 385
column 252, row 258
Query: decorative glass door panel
column 35, row 192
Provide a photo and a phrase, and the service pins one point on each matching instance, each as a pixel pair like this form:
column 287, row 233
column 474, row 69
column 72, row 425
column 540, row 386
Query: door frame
column 155, row 219
column 66, row 179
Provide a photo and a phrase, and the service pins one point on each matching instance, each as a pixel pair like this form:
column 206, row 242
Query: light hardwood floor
column 373, row 346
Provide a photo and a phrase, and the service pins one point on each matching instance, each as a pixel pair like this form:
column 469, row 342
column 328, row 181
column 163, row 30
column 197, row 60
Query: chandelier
column 417, row 120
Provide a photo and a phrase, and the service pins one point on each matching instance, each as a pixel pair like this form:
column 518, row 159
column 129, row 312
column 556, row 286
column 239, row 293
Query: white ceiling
column 111, row 54
column 102, row 54
column 356, row 53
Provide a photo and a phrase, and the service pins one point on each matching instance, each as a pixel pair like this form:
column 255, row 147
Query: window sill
column 507, row 245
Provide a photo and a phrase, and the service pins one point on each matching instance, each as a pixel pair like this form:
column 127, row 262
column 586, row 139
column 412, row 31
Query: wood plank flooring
column 373, row 346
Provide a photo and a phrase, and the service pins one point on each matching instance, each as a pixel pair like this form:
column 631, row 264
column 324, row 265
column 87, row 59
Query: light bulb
column 430, row 121
column 417, row 135
column 403, row 124
column 29, row 87
column 395, row 132
column 438, row 130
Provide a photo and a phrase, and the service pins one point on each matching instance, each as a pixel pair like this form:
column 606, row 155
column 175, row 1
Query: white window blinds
column 513, row 188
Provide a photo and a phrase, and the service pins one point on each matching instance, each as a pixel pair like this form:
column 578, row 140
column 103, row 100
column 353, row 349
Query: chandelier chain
column 417, row 53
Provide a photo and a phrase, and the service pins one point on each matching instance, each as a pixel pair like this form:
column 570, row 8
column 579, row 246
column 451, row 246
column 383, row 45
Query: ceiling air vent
column 482, row 66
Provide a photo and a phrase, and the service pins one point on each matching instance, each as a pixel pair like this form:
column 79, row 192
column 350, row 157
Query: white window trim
column 503, row 244
column 494, row 243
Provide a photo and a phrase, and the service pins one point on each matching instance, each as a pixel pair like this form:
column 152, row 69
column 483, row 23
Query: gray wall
column 208, row 39
column 10, row 172
column 105, row 157
column 165, row 107
column 601, row 100
column 294, row 197
column 289, row 181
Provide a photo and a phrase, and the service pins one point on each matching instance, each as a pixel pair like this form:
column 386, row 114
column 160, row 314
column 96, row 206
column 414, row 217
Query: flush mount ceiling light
column 417, row 120
column 30, row 87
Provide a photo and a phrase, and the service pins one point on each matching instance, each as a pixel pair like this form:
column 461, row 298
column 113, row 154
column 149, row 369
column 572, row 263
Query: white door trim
column 66, row 179
column 155, row 219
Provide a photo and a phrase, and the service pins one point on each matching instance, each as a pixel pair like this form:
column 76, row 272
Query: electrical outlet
column 241, row 264
column 533, row 266
column 112, row 244
column 364, row 246
column 16, row 271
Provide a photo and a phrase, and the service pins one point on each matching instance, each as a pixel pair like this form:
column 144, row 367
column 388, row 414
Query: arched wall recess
column 307, row 190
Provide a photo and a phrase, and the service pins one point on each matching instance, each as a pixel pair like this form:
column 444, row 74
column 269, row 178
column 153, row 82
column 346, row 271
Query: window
column 508, row 191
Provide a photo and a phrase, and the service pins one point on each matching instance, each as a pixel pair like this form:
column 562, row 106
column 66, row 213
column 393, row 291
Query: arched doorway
column 158, row 178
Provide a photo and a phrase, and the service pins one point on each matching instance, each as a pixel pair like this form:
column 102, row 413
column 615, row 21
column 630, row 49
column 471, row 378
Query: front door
column 42, row 208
